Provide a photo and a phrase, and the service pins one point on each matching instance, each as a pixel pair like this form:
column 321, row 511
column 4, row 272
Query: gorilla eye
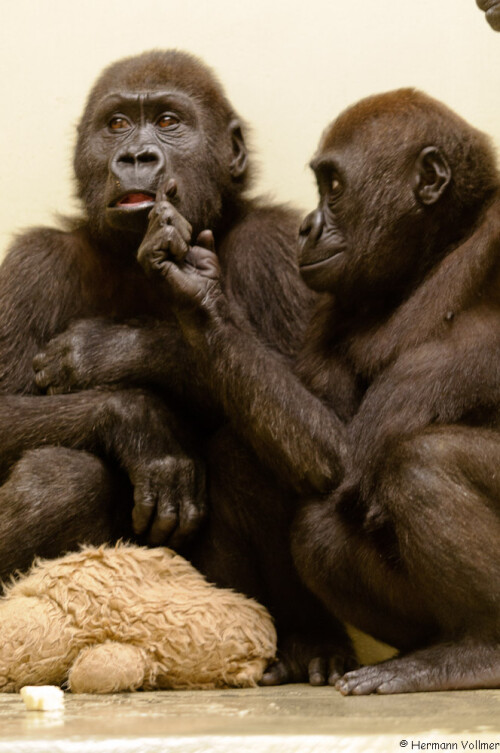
column 336, row 188
column 118, row 123
column 167, row 121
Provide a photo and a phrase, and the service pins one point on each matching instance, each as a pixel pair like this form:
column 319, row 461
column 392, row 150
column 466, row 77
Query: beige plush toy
column 122, row 618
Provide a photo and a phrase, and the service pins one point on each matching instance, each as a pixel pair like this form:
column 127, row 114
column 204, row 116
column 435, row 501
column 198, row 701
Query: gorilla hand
column 168, row 234
column 169, row 501
column 82, row 356
column 137, row 430
column 193, row 281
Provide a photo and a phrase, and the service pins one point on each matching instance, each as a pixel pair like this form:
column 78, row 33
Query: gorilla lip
column 134, row 199
column 320, row 261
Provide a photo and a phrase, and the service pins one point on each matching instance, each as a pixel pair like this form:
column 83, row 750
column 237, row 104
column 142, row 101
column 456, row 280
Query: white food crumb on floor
column 42, row 697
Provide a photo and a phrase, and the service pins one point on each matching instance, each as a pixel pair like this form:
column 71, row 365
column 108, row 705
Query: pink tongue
column 136, row 198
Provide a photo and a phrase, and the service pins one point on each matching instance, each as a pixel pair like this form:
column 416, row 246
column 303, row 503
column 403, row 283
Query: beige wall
column 288, row 65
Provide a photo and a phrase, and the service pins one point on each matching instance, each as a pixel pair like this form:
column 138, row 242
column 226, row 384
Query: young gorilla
column 400, row 390
column 156, row 123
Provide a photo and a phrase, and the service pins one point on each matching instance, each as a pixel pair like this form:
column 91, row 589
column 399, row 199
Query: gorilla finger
column 166, row 217
column 166, row 191
column 42, row 379
column 209, row 267
column 171, row 188
column 165, row 523
column 163, row 531
column 336, row 670
column 178, row 248
column 142, row 511
column 351, row 686
column 182, row 488
column 166, row 214
column 153, row 259
column 317, row 671
column 40, row 361
column 206, row 240
column 204, row 262
column 170, row 242
column 58, row 389
column 160, row 198
column 172, row 217
column 276, row 674
column 179, row 233
column 190, row 519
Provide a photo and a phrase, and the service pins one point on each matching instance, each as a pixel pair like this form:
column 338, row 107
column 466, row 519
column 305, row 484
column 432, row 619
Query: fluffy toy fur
column 110, row 619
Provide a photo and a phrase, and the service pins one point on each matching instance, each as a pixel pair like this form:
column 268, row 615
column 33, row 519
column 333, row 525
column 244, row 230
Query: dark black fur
column 158, row 123
column 391, row 434
column 413, row 531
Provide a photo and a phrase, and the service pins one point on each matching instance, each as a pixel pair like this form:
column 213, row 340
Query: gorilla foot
column 460, row 666
column 303, row 660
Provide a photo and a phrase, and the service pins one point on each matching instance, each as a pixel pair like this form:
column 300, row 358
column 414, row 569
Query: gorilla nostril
column 128, row 159
column 142, row 157
column 147, row 156
column 139, row 156
column 312, row 226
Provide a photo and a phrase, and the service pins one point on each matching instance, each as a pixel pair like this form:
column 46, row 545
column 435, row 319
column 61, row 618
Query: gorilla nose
column 146, row 159
column 312, row 227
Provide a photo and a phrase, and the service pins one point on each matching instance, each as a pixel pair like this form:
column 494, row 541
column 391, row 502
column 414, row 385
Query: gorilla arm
column 435, row 356
column 38, row 290
column 258, row 265
column 437, row 349
column 96, row 351
column 439, row 382
column 288, row 427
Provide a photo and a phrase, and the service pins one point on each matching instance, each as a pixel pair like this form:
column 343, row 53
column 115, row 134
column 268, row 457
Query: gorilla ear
column 431, row 176
column 238, row 163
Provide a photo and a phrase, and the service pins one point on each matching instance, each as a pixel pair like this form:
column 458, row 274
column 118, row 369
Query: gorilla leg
column 349, row 571
column 419, row 565
column 55, row 499
column 225, row 552
column 246, row 546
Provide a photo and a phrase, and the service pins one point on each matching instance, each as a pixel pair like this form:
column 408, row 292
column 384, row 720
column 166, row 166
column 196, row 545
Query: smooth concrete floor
column 289, row 718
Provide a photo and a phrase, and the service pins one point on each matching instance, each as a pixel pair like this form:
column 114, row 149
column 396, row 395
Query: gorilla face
column 141, row 131
column 143, row 140
column 381, row 200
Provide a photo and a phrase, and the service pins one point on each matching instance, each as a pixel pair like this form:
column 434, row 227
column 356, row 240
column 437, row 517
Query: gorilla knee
column 54, row 500
column 66, row 475
column 315, row 537
column 421, row 461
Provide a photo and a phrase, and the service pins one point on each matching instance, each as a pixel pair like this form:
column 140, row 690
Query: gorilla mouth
column 134, row 199
column 318, row 263
column 129, row 212
column 322, row 256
